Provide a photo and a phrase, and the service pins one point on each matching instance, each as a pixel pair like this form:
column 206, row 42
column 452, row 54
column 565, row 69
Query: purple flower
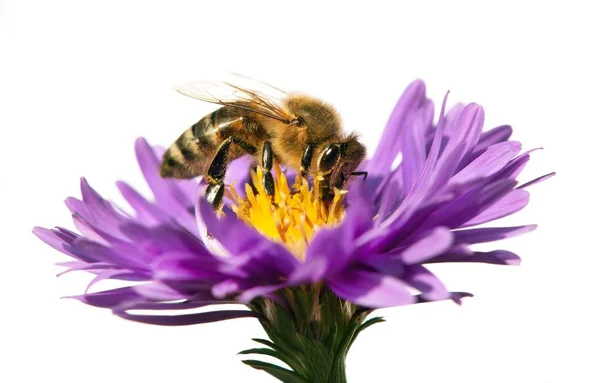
column 452, row 178
column 373, row 251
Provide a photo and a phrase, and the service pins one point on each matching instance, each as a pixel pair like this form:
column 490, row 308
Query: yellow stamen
column 292, row 215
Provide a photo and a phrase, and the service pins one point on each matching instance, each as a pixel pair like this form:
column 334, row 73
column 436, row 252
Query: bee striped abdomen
column 191, row 154
column 187, row 147
column 188, row 156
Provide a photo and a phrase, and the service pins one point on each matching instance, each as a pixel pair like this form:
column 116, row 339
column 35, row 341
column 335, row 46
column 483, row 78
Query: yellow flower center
column 292, row 215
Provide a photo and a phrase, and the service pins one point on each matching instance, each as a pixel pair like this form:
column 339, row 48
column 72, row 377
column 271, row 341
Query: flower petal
column 478, row 202
column 467, row 131
column 491, row 137
column 436, row 242
column 145, row 211
column 488, row 163
column 411, row 100
column 496, row 257
column 510, row 203
column 259, row 291
column 412, row 145
column 188, row 319
column 180, row 266
column 310, row 271
column 61, row 242
column 431, row 287
column 169, row 196
column 371, row 289
column 537, row 180
column 110, row 298
column 455, row 296
column 490, row 234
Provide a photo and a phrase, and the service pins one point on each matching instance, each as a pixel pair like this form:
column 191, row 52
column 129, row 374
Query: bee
column 295, row 130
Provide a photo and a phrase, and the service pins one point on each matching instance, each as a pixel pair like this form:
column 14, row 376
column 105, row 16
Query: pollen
column 292, row 215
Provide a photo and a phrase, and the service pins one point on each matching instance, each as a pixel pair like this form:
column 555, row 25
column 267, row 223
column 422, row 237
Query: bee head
column 339, row 160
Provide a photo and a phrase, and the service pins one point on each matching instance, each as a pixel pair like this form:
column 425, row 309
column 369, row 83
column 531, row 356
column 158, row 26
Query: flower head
column 370, row 246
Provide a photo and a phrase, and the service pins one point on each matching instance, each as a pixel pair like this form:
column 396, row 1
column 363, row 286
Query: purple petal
column 471, row 205
column 160, row 306
column 412, row 145
column 467, row 130
column 179, row 266
column 389, row 145
column 170, row 197
column 490, row 234
column 310, row 271
column 496, row 257
column 258, row 291
column 455, row 296
column 225, row 288
column 110, row 298
column 160, row 292
column 188, row 319
column 101, row 213
column 438, row 241
column 60, row 243
column 334, row 245
column 238, row 173
column 146, row 212
column 359, row 212
column 423, row 280
column 125, row 256
column 514, row 166
column 488, row 163
column 371, row 289
column 81, row 266
column 106, row 274
column 491, row 137
column 244, row 237
column 420, row 190
column 511, row 203
column 537, row 180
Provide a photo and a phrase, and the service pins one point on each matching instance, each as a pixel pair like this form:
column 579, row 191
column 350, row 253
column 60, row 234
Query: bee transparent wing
column 228, row 94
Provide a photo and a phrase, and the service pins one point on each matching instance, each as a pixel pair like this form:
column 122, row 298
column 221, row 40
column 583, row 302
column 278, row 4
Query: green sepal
column 284, row 375
column 368, row 323
column 311, row 331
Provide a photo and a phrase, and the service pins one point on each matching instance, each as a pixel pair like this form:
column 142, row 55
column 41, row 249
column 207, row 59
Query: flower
column 366, row 250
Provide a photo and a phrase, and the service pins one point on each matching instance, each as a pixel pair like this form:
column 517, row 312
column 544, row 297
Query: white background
column 79, row 82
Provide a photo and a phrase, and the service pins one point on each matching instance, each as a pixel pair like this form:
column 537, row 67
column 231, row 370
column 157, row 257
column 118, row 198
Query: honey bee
column 296, row 130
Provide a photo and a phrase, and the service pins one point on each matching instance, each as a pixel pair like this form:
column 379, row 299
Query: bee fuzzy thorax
column 292, row 215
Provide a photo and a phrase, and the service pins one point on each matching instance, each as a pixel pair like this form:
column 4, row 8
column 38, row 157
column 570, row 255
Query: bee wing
column 229, row 94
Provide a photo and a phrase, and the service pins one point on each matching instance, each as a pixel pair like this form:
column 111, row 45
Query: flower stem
column 310, row 330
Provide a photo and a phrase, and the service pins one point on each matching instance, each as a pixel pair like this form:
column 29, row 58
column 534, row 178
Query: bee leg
column 253, row 168
column 218, row 167
column 306, row 160
column 363, row 174
column 304, row 167
column 216, row 175
column 267, row 165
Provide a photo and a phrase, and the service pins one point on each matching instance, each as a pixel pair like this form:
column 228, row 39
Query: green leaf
column 259, row 351
column 287, row 356
column 368, row 323
column 284, row 375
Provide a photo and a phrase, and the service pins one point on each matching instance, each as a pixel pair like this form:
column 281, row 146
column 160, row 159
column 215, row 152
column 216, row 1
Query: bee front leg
column 358, row 174
column 305, row 165
column 267, row 165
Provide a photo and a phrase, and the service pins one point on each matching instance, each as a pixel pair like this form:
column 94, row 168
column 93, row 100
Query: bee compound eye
column 329, row 158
